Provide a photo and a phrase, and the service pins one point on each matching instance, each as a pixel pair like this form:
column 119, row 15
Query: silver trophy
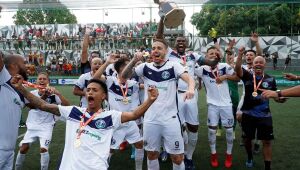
column 173, row 15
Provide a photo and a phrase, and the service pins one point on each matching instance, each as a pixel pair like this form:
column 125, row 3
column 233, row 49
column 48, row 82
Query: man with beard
column 161, row 120
column 11, row 104
column 256, row 115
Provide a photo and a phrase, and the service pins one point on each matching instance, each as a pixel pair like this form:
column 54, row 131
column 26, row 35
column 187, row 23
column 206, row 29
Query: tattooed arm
column 128, row 70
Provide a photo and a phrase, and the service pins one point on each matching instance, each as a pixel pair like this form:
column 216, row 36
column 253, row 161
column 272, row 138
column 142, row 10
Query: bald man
column 81, row 84
column 11, row 104
column 256, row 110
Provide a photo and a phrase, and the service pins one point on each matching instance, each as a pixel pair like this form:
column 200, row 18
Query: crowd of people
column 149, row 100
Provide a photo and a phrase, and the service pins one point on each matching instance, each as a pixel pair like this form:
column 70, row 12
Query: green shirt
column 234, row 92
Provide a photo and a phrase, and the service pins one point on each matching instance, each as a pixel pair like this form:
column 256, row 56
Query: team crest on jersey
column 165, row 75
column 48, row 100
column 129, row 92
column 265, row 84
column 100, row 124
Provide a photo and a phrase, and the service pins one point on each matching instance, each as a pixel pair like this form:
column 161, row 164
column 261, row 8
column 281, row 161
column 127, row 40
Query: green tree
column 44, row 16
column 242, row 19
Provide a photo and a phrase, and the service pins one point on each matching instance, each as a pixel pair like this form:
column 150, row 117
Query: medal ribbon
column 183, row 59
column 259, row 83
column 126, row 90
column 28, row 84
column 83, row 124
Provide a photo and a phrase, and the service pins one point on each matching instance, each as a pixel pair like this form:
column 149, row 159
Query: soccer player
column 256, row 110
column 88, row 130
column 188, row 110
column 123, row 95
column 85, row 60
column 11, row 104
column 40, row 124
column 161, row 120
column 81, row 84
column 219, row 103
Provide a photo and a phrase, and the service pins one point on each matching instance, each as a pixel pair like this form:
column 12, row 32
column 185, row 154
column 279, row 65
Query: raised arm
column 36, row 102
column 85, row 46
column 140, row 110
column 160, row 29
column 238, row 65
column 128, row 70
column 64, row 101
column 99, row 73
column 254, row 38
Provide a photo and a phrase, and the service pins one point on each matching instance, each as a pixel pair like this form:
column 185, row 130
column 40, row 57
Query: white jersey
column 82, row 84
column 217, row 95
column 115, row 95
column 37, row 118
column 11, row 104
column 165, row 79
column 110, row 70
column 188, row 61
column 95, row 140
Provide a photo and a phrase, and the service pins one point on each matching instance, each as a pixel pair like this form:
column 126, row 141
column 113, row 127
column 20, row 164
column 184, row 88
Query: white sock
column 19, row 161
column 109, row 157
column 139, row 156
column 179, row 167
column 192, row 142
column 212, row 140
column 45, row 160
column 153, row 164
column 185, row 137
column 229, row 139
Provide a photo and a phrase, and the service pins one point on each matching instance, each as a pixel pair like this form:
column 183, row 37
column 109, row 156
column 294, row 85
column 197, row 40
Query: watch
column 279, row 93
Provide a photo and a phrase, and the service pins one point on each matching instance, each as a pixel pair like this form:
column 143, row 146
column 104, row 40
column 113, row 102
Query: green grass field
column 286, row 146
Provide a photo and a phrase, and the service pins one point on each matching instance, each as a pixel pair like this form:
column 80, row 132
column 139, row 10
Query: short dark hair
column 44, row 73
column 161, row 41
column 95, row 52
column 101, row 83
column 210, row 48
column 120, row 63
column 253, row 51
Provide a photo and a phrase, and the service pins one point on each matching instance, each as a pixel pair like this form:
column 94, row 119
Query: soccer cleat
column 228, row 160
column 189, row 165
column 256, row 148
column 214, row 160
column 164, row 156
column 249, row 163
column 23, row 125
column 123, row 145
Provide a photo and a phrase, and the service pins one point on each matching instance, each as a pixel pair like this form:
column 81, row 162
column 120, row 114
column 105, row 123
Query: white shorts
column 215, row 113
column 129, row 132
column 6, row 159
column 43, row 135
column 170, row 135
column 188, row 109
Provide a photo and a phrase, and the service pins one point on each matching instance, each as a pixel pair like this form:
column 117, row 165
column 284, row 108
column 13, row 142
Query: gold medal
column 77, row 143
column 125, row 101
column 254, row 94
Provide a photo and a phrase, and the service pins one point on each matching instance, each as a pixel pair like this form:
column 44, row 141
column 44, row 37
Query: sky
column 114, row 16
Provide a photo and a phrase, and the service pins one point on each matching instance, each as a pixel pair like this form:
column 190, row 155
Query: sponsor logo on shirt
column 17, row 102
column 86, row 132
